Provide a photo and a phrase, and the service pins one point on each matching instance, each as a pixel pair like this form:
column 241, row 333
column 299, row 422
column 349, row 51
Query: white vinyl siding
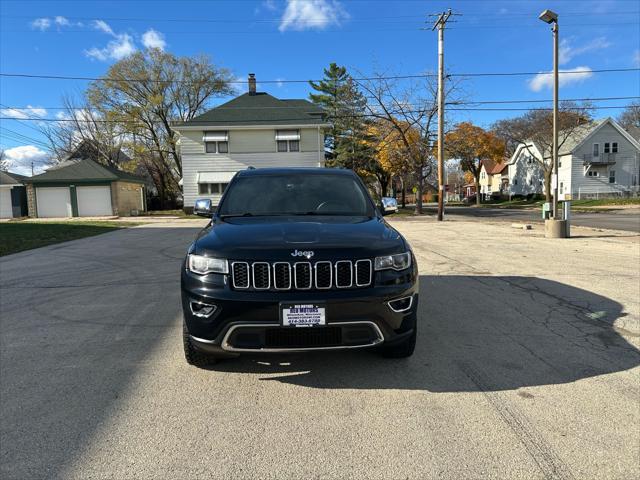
column 623, row 153
column 250, row 147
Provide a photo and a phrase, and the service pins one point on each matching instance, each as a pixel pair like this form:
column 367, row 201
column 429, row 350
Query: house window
column 614, row 147
column 288, row 140
column 561, row 188
column 593, row 173
column 216, row 147
column 612, row 176
column 596, row 149
column 515, row 181
column 216, row 142
column 212, row 188
column 606, row 147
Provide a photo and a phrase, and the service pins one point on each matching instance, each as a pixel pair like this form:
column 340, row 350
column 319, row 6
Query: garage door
column 53, row 202
column 5, row 203
column 94, row 201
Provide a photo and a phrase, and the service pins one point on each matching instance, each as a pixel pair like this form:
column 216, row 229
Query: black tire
column 403, row 349
column 194, row 356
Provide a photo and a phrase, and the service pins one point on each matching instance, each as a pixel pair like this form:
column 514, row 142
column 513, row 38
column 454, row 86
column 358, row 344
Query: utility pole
column 439, row 24
column 32, row 168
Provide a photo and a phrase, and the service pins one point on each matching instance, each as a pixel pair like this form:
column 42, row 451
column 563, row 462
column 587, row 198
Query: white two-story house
column 599, row 158
column 252, row 130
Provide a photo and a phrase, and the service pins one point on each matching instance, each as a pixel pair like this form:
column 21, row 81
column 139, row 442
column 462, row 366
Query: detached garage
column 84, row 188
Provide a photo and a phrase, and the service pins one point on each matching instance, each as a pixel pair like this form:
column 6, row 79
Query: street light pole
column 554, row 28
column 555, row 227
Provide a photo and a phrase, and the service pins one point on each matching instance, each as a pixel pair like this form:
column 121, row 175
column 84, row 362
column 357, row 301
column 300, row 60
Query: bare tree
column 630, row 117
column 4, row 162
column 411, row 109
column 83, row 127
column 535, row 128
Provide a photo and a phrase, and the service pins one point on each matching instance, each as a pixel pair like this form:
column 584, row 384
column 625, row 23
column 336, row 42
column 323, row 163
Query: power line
column 391, row 77
column 309, row 22
column 229, row 122
column 471, row 102
column 18, row 137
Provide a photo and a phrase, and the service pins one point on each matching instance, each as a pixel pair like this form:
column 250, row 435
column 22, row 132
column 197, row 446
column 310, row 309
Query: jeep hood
column 276, row 238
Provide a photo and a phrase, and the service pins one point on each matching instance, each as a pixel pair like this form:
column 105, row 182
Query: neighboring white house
column 252, row 130
column 599, row 158
column 526, row 176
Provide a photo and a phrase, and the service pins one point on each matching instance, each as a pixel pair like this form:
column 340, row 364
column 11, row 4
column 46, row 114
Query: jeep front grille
column 322, row 275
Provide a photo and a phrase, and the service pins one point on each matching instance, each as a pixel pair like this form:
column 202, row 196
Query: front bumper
column 250, row 321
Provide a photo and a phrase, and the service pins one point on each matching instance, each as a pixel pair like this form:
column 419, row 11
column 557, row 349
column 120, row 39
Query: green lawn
column 19, row 236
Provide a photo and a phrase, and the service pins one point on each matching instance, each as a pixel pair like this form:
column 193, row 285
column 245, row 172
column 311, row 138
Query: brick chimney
column 252, row 84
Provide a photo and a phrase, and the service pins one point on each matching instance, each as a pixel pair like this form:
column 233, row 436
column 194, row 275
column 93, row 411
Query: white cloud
column 117, row 49
column 20, row 158
column 41, row 24
column 568, row 51
column 636, row 58
column 565, row 77
column 269, row 5
column 102, row 26
column 153, row 39
column 29, row 112
column 307, row 14
column 61, row 21
column 279, row 82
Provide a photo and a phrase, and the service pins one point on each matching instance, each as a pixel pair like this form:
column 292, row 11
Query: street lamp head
column 548, row 16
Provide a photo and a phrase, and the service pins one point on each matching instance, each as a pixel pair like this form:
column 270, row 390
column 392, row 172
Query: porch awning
column 215, row 177
column 287, row 135
column 218, row 136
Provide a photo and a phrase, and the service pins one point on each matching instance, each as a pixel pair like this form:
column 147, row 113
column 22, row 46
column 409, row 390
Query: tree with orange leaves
column 472, row 144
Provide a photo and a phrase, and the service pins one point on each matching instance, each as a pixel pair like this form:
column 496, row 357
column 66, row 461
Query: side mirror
column 203, row 207
column 388, row 205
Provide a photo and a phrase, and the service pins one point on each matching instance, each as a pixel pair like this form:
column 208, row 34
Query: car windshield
column 299, row 194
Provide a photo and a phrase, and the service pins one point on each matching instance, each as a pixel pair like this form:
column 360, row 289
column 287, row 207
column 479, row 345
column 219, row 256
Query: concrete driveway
column 526, row 367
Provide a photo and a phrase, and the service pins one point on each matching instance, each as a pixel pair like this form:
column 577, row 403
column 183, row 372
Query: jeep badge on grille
column 307, row 254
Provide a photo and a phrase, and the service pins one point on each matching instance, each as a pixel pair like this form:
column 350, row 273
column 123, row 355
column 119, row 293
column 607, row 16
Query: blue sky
column 296, row 39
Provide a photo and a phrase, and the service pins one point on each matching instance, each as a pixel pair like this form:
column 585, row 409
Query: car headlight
column 393, row 262
column 203, row 265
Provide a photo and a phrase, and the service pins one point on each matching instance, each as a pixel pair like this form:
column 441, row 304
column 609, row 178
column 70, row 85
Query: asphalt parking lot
column 526, row 367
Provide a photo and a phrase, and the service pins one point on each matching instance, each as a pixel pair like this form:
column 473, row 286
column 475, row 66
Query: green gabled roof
column 83, row 171
column 260, row 109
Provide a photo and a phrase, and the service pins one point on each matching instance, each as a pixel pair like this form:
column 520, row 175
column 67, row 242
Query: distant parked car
column 389, row 204
column 469, row 200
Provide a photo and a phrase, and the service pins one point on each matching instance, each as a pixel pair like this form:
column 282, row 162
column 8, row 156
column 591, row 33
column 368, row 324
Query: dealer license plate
column 303, row 315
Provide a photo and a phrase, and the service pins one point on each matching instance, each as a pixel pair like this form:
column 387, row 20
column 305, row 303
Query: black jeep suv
column 297, row 260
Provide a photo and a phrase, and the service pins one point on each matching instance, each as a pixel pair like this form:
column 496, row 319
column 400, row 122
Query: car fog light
column 401, row 304
column 202, row 309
